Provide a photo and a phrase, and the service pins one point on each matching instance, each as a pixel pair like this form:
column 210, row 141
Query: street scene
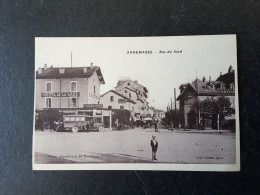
column 133, row 146
column 93, row 113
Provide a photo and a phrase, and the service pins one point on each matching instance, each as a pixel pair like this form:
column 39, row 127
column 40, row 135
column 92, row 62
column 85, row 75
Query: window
column 94, row 89
column 111, row 98
column 48, row 102
column 125, row 91
column 82, row 118
column 121, row 107
column 232, row 86
column 73, row 102
column 109, row 107
column 77, row 118
column 128, row 84
column 73, row 86
column 48, row 87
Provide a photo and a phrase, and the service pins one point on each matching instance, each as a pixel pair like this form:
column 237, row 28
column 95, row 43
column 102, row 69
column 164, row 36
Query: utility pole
column 71, row 59
column 175, row 124
column 198, row 96
column 171, row 103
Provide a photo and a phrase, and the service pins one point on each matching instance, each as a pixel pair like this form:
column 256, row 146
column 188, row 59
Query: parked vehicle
column 75, row 123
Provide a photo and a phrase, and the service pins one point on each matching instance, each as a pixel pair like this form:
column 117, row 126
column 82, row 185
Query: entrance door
column 106, row 121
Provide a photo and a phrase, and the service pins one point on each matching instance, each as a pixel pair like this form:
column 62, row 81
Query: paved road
column 133, row 146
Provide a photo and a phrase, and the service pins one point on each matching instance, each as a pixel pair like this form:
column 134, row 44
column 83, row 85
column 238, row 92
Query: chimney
column 85, row 69
column 39, row 70
column 209, row 79
column 220, row 73
column 61, row 70
column 230, row 69
column 204, row 79
column 45, row 66
column 91, row 65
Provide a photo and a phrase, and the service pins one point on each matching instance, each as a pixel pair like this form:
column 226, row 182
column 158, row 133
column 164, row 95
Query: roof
column 120, row 82
column 199, row 87
column 138, row 98
column 227, row 78
column 74, row 72
column 119, row 94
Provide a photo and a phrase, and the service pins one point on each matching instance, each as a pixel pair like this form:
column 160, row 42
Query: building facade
column 136, row 92
column 200, row 90
column 115, row 100
column 158, row 114
column 68, row 87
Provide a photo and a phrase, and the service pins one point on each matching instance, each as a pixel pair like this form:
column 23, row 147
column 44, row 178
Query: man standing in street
column 155, row 126
column 154, row 145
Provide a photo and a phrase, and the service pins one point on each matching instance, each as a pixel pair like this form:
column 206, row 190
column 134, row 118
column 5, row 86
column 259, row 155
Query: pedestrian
column 154, row 145
column 155, row 126
column 87, row 126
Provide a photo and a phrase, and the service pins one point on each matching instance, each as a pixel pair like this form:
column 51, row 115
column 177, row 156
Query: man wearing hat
column 154, row 145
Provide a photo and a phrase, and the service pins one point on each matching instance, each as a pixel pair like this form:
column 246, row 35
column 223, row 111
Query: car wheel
column 74, row 129
column 101, row 129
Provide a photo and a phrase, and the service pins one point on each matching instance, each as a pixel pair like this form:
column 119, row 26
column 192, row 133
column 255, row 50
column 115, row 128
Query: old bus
column 75, row 123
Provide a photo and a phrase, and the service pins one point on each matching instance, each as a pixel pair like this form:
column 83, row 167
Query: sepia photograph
column 136, row 103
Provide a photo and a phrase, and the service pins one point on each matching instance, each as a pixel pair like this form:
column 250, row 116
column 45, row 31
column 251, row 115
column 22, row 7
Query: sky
column 159, row 72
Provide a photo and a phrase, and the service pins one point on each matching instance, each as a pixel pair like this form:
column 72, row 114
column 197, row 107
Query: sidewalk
column 202, row 131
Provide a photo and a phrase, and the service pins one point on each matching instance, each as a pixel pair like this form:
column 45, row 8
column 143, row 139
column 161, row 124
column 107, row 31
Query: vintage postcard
column 136, row 103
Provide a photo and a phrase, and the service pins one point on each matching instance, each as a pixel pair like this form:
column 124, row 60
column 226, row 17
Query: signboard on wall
column 89, row 106
column 121, row 101
column 60, row 94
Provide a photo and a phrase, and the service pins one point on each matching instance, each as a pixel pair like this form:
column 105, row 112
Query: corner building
column 61, row 88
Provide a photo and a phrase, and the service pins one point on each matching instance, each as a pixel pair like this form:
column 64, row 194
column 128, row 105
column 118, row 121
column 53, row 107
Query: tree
column 214, row 108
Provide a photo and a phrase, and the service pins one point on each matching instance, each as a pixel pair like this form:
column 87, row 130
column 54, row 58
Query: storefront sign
column 62, row 94
column 93, row 106
column 121, row 101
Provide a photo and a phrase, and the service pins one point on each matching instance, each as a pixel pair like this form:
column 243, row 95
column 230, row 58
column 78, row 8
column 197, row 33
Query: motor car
column 75, row 123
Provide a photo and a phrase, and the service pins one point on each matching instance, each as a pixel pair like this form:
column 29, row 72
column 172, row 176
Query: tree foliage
column 213, row 107
column 123, row 116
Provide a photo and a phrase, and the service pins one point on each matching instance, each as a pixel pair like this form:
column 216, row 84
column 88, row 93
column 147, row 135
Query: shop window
column 111, row 98
column 48, row 102
column 48, row 87
column 109, row 107
column 73, row 86
column 121, row 107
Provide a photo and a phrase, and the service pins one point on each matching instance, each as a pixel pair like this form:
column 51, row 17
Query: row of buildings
column 76, row 90
column 199, row 90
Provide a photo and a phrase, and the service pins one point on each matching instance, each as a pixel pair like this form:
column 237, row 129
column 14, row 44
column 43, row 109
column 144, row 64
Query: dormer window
column 232, row 86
